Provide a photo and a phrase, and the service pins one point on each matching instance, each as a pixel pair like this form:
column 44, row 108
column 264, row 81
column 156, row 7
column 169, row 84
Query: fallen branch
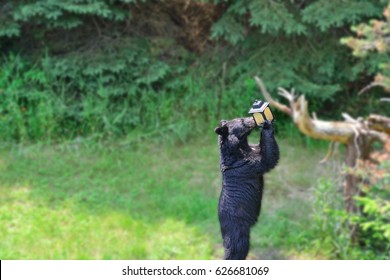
column 356, row 133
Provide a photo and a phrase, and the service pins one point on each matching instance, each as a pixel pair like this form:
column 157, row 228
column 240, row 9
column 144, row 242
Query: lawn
column 80, row 200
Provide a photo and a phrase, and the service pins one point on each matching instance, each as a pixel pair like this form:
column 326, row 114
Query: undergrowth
column 59, row 99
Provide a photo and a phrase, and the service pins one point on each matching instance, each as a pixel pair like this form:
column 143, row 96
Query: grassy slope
column 79, row 201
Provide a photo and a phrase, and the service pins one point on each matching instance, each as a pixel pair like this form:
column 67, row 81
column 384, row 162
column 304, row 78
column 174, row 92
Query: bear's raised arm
column 269, row 149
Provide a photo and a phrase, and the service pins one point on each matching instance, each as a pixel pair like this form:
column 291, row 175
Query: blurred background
column 107, row 111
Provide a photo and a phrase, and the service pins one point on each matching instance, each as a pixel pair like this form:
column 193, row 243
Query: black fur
column 242, row 167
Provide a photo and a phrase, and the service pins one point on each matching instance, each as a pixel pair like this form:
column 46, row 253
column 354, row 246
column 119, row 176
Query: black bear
column 242, row 167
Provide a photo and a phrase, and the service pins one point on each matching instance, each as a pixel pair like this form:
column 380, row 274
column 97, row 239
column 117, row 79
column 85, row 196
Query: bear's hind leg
column 236, row 243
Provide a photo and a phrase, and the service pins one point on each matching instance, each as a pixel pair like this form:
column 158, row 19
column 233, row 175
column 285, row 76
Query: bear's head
column 233, row 134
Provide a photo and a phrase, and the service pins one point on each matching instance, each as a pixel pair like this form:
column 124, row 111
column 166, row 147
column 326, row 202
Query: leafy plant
column 373, row 37
column 295, row 44
column 333, row 225
column 374, row 222
column 106, row 68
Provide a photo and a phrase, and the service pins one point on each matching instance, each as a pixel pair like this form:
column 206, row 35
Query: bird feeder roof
column 258, row 106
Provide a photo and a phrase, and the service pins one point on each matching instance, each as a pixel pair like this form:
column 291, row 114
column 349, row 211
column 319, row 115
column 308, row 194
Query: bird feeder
column 261, row 112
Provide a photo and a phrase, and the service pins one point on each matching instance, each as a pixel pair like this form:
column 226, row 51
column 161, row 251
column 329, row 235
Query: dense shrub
column 371, row 227
column 95, row 67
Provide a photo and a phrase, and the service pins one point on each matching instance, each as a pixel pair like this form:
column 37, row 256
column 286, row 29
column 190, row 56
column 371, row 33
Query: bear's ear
column 222, row 130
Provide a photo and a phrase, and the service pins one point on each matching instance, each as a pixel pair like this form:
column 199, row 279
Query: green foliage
column 375, row 219
column 105, row 68
column 278, row 17
column 295, row 44
column 333, row 225
column 229, row 28
column 26, row 107
column 325, row 14
column 57, row 14
column 373, row 37
column 110, row 92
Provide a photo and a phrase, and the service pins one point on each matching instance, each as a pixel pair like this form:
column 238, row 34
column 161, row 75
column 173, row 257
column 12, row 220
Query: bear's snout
column 249, row 122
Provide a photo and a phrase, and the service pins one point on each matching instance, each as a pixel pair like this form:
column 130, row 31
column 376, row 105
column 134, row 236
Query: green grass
column 148, row 201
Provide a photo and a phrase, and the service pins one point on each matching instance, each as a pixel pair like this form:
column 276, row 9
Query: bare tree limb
column 339, row 131
column 268, row 97
column 373, row 84
column 329, row 153
column 379, row 123
column 348, row 118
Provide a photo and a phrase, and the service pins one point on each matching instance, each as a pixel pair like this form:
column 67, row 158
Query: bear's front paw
column 267, row 124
